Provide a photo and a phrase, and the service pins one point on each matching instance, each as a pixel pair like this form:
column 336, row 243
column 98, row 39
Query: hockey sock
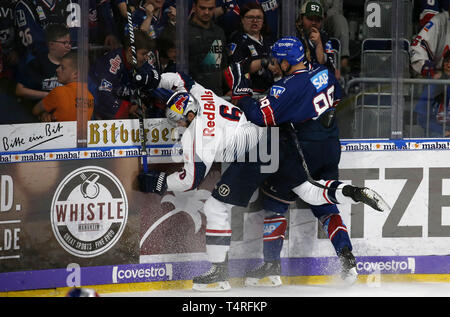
column 337, row 232
column 273, row 237
column 218, row 229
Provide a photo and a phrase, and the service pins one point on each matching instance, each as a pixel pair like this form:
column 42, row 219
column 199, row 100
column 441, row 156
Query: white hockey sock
column 218, row 229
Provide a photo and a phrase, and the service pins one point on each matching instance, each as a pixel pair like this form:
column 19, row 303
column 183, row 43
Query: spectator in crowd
column 111, row 81
column 61, row 103
column 8, row 54
column 102, row 29
column 336, row 25
column 314, row 40
column 152, row 17
column 207, row 55
column 433, row 108
column 251, row 47
column 228, row 14
column 119, row 11
column 38, row 77
column 32, row 17
column 429, row 46
column 167, row 55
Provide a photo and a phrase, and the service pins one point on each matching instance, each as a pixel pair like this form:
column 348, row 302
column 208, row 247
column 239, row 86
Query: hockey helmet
column 178, row 106
column 289, row 48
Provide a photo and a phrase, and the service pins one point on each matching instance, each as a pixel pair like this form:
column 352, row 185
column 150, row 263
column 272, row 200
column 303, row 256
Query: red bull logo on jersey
column 209, row 109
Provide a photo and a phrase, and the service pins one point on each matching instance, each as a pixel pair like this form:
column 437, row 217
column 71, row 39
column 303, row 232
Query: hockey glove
column 428, row 69
column 238, row 82
column 146, row 77
column 153, row 182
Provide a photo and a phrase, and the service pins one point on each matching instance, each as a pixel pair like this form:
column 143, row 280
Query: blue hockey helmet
column 289, row 48
column 178, row 106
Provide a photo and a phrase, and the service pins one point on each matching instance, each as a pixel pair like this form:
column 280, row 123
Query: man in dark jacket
column 207, row 55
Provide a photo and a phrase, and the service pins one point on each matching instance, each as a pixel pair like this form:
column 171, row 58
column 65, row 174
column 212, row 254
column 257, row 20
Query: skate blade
column 351, row 277
column 380, row 204
column 213, row 287
column 268, row 281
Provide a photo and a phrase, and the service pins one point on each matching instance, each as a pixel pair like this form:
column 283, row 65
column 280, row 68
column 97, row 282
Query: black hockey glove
column 153, row 182
column 146, row 77
column 239, row 84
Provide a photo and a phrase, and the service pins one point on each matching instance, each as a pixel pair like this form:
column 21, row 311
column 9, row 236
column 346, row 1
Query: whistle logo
column 89, row 211
column 90, row 188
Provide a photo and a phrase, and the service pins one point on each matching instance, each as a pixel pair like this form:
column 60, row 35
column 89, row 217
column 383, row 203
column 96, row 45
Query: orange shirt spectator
column 61, row 102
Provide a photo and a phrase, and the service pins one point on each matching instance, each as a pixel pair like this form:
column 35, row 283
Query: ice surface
column 388, row 289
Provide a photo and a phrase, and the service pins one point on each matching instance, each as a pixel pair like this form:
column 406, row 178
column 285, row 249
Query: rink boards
column 75, row 217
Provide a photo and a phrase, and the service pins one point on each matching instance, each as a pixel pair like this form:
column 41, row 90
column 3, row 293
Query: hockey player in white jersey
column 429, row 46
column 217, row 130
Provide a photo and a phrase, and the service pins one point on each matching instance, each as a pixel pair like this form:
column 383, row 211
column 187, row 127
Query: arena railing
column 373, row 114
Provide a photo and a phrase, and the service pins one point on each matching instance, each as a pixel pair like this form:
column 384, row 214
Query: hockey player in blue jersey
column 305, row 97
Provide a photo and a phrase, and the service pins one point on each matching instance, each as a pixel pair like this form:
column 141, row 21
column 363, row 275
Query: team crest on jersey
column 232, row 48
column 428, row 26
column 277, row 91
column 40, row 13
column 253, row 50
column 105, row 86
column 115, row 64
column 328, row 47
column 320, row 80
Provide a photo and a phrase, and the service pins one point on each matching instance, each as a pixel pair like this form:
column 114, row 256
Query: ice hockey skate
column 265, row 275
column 214, row 280
column 366, row 196
column 348, row 266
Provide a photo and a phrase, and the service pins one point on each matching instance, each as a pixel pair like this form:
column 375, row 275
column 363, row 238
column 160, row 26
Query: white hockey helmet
column 178, row 106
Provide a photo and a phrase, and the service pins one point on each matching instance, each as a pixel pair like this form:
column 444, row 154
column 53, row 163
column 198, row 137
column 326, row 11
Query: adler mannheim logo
column 89, row 211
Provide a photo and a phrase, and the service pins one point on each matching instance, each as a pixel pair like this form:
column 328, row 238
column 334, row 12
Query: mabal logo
column 89, row 211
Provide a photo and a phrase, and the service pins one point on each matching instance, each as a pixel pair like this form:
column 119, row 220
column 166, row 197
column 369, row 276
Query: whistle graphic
column 90, row 188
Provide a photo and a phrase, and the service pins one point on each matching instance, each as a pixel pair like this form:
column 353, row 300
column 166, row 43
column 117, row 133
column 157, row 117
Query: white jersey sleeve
column 431, row 43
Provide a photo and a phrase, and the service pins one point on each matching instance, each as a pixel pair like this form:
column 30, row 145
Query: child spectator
column 61, row 103
column 38, row 77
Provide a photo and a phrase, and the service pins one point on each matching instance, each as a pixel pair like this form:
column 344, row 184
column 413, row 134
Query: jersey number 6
column 233, row 115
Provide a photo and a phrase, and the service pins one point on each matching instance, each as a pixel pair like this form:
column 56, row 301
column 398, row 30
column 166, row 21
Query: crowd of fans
column 36, row 35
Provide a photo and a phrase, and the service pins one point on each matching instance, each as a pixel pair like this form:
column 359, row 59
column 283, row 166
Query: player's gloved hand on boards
column 146, row 77
column 238, row 82
column 153, row 182
column 428, row 69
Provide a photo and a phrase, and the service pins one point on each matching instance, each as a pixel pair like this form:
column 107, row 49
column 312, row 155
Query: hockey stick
column 137, row 93
column 291, row 129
